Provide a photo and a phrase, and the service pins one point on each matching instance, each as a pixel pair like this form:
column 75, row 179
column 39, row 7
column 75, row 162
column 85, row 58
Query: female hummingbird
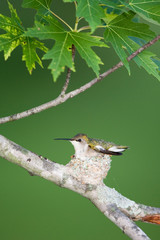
column 91, row 147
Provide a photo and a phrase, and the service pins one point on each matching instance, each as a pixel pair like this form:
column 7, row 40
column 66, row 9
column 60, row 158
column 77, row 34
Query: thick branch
column 72, row 94
column 119, row 209
column 125, row 224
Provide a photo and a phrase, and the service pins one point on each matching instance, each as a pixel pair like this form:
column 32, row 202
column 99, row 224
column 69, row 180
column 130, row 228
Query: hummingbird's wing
column 107, row 147
column 104, row 147
column 100, row 149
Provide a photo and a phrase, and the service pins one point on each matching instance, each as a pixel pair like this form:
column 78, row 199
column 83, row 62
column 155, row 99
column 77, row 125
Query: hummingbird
column 91, row 147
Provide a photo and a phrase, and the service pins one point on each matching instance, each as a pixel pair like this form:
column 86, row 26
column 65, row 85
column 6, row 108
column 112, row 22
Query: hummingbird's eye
column 79, row 140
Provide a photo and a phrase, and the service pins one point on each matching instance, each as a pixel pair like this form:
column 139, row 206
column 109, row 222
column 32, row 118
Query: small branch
column 68, row 76
column 119, row 209
column 64, row 89
column 72, row 94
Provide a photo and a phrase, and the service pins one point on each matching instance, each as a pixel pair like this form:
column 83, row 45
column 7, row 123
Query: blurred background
column 121, row 108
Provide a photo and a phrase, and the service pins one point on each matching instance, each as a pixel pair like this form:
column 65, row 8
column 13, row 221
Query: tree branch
column 64, row 89
column 119, row 209
column 60, row 99
column 125, row 224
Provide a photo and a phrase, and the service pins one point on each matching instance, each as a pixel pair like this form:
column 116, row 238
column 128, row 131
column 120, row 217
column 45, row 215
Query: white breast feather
column 80, row 148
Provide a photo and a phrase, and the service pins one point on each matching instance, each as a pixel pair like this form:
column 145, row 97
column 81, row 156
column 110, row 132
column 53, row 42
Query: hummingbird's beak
column 68, row 139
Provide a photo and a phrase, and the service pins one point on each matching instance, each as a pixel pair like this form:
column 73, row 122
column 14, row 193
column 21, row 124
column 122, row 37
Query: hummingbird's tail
column 111, row 153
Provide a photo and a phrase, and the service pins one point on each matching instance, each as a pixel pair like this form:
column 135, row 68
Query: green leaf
column 42, row 6
column 14, row 31
column 60, row 54
column 156, row 60
column 91, row 11
column 30, row 56
column 11, row 24
column 147, row 60
column 16, row 22
column 119, row 31
column 52, row 30
column 113, row 6
column 147, row 9
column 83, row 43
column 14, row 37
column 8, row 42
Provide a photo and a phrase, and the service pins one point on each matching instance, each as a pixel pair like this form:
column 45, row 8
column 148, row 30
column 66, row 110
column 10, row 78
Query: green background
column 121, row 108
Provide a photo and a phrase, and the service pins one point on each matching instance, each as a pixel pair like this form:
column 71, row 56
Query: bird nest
column 90, row 170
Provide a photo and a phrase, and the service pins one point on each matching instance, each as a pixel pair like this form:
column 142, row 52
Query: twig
column 119, row 209
column 64, row 89
column 68, row 76
column 72, row 94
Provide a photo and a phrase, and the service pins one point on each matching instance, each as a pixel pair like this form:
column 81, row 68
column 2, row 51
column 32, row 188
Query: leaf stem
column 75, row 3
column 76, row 24
column 61, row 20
column 84, row 28
column 88, row 27
column 77, row 18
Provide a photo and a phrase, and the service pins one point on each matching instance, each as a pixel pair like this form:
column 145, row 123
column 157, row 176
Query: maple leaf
column 42, row 6
column 147, row 9
column 61, row 54
column 113, row 6
column 30, row 56
column 14, row 31
column 119, row 32
column 147, row 60
column 14, row 37
column 90, row 10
